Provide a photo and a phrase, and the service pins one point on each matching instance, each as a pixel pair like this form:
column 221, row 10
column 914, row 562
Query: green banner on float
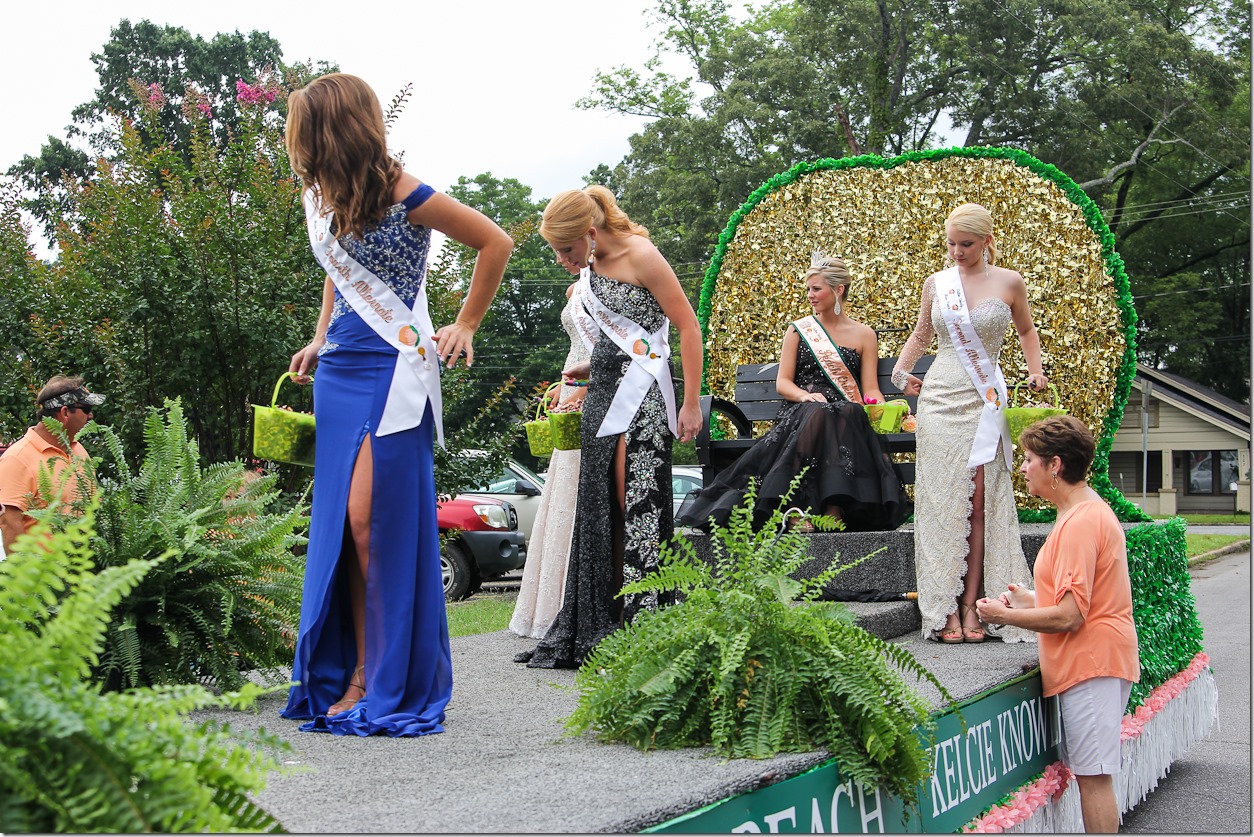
column 1010, row 737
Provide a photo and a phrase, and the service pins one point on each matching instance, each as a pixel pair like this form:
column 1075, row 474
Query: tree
column 159, row 73
column 1147, row 107
column 183, row 272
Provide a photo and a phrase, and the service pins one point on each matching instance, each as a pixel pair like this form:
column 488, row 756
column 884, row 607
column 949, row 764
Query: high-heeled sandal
column 972, row 634
column 346, row 703
column 949, row 636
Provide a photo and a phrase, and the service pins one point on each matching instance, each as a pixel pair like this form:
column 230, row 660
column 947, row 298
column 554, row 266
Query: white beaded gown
column 548, row 551
column 948, row 414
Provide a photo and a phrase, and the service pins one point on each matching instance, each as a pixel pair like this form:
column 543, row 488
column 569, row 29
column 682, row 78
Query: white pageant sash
column 825, row 352
column 416, row 376
column 649, row 354
column 584, row 324
column 985, row 374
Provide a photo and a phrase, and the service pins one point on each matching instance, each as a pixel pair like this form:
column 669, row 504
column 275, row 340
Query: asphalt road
column 1208, row 791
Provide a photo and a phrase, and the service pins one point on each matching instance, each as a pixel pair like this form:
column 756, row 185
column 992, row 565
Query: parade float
column 994, row 754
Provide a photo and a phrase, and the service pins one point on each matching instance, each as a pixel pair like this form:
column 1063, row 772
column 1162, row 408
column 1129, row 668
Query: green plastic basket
column 566, row 428
column 539, row 431
column 282, row 435
column 1020, row 417
column 886, row 417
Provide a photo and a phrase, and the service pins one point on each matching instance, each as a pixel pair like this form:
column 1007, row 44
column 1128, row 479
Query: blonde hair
column 976, row 220
column 570, row 214
column 831, row 270
column 337, row 141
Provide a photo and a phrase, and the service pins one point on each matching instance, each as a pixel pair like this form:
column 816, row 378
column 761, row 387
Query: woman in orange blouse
column 1082, row 607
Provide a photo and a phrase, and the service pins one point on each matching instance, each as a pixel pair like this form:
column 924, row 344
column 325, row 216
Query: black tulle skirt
column 847, row 465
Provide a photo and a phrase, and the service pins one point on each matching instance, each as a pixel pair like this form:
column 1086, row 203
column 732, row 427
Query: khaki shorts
column 1092, row 720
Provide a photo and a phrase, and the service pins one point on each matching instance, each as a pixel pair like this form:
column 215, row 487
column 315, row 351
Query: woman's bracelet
column 574, row 383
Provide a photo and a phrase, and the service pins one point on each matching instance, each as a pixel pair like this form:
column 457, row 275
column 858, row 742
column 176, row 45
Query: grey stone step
column 890, row 567
column 887, row 620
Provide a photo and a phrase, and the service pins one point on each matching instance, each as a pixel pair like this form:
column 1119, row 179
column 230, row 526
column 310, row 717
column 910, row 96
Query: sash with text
column 985, row 374
column 649, row 355
column 828, row 356
column 416, row 376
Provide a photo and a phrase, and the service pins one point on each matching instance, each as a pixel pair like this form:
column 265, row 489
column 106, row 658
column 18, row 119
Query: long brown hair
column 336, row 141
column 572, row 213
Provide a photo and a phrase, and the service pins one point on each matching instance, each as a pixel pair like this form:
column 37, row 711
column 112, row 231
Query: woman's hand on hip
column 454, row 340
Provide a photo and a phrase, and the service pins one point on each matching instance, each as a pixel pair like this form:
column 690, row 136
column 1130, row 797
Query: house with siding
column 1182, row 447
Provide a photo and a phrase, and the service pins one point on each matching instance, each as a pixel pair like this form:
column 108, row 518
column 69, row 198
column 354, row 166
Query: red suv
column 479, row 540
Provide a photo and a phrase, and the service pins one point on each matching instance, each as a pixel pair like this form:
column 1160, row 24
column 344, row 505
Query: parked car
column 486, row 543
column 520, row 487
column 684, row 478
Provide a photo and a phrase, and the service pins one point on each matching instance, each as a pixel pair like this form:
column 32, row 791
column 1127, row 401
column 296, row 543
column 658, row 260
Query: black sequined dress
column 849, row 464
column 589, row 610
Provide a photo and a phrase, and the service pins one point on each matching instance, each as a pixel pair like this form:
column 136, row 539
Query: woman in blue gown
column 372, row 653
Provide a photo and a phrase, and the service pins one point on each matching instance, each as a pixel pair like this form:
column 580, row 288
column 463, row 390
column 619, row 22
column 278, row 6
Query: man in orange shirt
column 69, row 402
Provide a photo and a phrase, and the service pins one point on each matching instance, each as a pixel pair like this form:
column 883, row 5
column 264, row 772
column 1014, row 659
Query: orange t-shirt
column 19, row 472
column 1087, row 554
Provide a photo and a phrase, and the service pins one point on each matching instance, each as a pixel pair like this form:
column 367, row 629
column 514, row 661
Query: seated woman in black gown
column 827, row 368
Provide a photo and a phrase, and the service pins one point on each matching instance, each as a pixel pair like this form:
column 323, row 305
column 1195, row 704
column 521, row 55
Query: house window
column 1212, row 472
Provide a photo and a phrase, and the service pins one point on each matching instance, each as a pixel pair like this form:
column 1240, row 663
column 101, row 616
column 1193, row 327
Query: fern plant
column 751, row 664
column 76, row 759
column 227, row 599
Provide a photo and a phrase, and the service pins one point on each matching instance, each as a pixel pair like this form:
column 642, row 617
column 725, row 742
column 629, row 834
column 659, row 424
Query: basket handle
column 1014, row 398
column 274, row 399
column 544, row 398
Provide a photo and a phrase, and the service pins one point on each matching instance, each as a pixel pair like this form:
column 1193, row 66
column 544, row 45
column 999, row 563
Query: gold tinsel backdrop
column 886, row 220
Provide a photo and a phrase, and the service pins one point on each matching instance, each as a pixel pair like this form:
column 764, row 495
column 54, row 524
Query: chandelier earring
column 985, row 257
column 1053, row 483
column 837, row 308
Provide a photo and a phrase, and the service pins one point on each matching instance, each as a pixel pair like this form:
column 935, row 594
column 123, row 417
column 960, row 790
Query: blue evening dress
column 408, row 664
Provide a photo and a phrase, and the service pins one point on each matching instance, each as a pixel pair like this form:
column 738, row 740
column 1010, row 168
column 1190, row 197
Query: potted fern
column 750, row 663
column 76, row 759
column 226, row 600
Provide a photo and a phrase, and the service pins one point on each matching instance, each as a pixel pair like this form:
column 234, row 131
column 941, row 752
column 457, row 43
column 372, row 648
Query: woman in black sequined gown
column 624, row 511
column 850, row 473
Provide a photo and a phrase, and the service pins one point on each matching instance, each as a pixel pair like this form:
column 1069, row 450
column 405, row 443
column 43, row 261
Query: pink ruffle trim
column 1049, row 787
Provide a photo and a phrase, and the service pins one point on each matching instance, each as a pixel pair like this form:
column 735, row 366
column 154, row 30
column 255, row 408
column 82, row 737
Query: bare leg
column 1097, row 804
column 973, row 582
column 618, row 511
column 360, row 490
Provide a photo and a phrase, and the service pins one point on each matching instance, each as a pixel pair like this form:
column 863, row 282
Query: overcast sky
column 495, row 81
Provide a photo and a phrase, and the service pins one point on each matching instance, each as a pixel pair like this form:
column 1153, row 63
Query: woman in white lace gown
column 548, row 551
column 966, row 525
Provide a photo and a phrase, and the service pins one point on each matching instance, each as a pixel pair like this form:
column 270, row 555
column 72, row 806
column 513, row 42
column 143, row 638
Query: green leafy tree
column 73, row 759
column 521, row 341
column 173, row 71
column 22, row 273
column 182, row 272
column 1146, row 107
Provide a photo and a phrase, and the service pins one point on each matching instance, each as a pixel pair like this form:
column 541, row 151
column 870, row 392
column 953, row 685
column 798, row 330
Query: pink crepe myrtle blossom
column 250, row 94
